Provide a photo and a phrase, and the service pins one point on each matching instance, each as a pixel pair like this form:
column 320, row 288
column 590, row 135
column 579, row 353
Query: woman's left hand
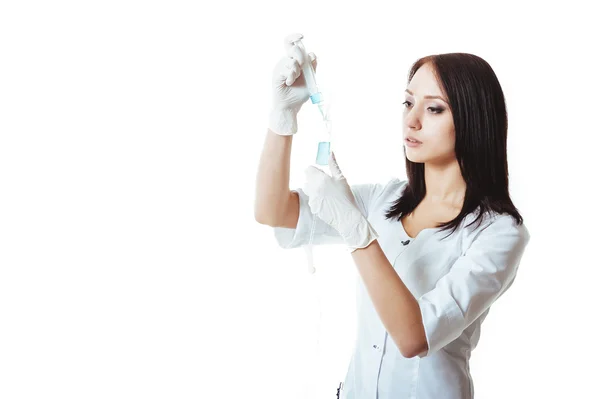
column 332, row 200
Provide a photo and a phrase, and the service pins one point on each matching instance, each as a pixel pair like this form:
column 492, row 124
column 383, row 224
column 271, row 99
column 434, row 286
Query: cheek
column 443, row 139
column 446, row 136
column 451, row 140
column 440, row 145
column 449, row 144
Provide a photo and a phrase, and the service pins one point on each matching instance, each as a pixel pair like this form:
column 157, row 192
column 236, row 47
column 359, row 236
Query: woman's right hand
column 289, row 88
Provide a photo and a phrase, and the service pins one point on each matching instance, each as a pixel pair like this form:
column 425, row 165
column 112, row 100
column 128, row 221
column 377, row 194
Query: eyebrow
column 428, row 97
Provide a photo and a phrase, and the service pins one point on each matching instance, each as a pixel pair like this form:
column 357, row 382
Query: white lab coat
column 455, row 281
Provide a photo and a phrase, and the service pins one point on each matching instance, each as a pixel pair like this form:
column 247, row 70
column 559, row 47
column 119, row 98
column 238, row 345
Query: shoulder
column 382, row 190
column 371, row 195
column 500, row 230
column 389, row 192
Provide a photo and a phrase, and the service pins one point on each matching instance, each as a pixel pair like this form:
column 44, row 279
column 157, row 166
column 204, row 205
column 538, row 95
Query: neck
column 444, row 184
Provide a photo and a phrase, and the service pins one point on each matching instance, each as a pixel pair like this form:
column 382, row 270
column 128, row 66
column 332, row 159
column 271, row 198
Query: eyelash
column 437, row 110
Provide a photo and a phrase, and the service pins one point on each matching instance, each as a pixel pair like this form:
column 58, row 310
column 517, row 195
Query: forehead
column 424, row 82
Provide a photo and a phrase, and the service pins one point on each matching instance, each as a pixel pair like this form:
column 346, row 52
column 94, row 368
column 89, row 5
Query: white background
column 130, row 132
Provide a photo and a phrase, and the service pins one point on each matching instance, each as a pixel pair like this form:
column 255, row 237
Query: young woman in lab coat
column 434, row 251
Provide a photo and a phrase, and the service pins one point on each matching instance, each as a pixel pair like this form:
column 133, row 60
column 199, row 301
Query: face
column 428, row 120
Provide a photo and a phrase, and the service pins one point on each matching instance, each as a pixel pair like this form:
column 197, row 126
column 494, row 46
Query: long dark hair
column 481, row 124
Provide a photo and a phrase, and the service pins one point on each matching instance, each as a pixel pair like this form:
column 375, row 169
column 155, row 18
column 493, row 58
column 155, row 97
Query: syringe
column 323, row 152
column 309, row 73
column 316, row 97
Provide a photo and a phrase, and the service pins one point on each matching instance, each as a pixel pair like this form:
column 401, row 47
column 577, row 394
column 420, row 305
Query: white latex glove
column 332, row 200
column 289, row 88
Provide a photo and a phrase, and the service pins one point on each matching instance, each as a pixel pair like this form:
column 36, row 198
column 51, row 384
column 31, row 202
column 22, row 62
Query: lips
column 412, row 140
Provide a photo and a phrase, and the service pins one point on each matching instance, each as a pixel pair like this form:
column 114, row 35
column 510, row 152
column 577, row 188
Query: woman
column 434, row 251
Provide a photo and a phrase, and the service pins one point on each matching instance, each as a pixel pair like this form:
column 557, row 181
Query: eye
column 433, row 109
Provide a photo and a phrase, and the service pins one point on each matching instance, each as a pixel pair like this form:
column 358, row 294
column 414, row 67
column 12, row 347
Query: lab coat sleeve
column 479, row 277
column 324, row 234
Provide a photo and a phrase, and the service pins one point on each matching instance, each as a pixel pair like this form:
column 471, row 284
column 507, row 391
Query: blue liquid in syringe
column 324, row 148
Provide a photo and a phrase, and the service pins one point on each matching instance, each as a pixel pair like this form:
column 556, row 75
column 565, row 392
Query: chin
column 416, row 160
column 414, row 156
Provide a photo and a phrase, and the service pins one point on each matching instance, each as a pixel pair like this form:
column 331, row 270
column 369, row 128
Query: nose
column 412, row 120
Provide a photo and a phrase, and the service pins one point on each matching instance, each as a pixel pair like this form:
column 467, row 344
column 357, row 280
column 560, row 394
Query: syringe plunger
column 309, row 75
column 316, row 97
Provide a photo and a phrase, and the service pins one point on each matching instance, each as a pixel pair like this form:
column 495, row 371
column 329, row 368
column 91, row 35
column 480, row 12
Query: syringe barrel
column 323, row 151
column 309, row 74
